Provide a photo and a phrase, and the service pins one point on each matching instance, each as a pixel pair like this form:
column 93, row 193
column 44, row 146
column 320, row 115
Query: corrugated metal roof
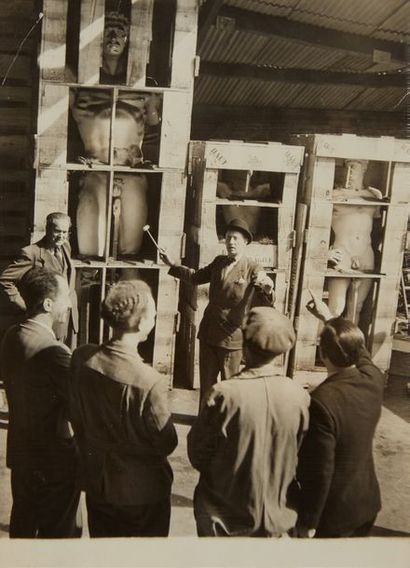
column 326, row 96
column 229, row 91
column 379, row 99
column 355, row 16
column 224, row 43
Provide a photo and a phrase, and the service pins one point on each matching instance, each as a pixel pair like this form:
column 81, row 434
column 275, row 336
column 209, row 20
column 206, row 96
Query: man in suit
column 234, row 280
column 122, row 422
column 52, row 251
column 340, row 495
column 245, row 440
column 41, row 451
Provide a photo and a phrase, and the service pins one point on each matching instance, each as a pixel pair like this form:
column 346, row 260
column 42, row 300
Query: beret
column 268, row 330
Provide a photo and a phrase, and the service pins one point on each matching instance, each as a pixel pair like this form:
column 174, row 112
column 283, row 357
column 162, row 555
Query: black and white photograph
column 204, row 283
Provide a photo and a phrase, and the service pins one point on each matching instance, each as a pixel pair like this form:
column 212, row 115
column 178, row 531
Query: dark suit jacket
column 35, row 368
column 122, row 424
column 340, row 491
column 230, row 297
column 39, row 255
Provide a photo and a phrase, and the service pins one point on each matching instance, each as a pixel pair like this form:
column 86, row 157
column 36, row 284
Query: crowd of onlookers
column 273, row 460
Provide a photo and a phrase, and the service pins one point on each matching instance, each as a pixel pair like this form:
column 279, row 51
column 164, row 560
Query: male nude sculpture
column 352, row 248
column 92, row 110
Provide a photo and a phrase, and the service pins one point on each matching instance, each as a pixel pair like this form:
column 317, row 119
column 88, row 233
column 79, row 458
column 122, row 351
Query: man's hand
column 334, row 256
column 165, row 258
column 263, row 282
column 318, row 308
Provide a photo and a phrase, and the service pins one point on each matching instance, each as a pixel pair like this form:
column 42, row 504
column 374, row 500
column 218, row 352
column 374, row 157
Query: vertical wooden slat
column 175, row 130
column 52, row 126
column 91, row 37
column 53, row 41
column 139, row 41
column 400, row 189
column 167, row 302
column 171, row 214
column 393, row 246
column 51, row 195
column 183, row 54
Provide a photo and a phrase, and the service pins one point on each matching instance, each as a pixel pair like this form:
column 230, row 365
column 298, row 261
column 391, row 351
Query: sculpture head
column 354, row 171
column 116, row 32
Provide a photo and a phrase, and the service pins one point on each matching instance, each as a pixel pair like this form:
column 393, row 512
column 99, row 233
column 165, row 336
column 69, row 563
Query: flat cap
column 268, row 330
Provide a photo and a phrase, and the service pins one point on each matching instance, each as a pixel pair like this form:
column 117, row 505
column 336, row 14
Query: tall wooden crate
column 160, row 64
column 389, row 171
column 257, row 181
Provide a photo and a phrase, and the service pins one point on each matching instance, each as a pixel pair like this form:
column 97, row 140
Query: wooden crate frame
column 170, row 215
column 316, row 192
column 52, row 137
column 206, row 159
column 166, row 321
column 54, row 42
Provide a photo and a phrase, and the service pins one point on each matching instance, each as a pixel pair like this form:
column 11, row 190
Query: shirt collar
column 45, row 326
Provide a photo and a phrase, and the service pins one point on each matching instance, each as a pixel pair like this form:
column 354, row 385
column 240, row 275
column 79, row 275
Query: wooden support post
column 51, row 195
column 52, row 126
column 91, row 41
column 139, row 42
column 53, row 43
column 167, row 303
column 185, row 37
column 175, row 129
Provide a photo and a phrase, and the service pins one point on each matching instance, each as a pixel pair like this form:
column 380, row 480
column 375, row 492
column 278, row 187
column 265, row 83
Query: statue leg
column 91, row 214
column 134, row 211
column 337, row 289
column 358, row 294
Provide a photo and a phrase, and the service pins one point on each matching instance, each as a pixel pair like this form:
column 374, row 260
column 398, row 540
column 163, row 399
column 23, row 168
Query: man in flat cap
column 245, row 440
column 236, row 284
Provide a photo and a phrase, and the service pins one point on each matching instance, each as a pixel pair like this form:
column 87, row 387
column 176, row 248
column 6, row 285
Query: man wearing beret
column 245, row 440
column 236, row 283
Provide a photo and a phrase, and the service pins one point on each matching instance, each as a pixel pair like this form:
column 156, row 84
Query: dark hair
column 125, row 304
column 36, row 285
column 341, row 341
column 57, row 215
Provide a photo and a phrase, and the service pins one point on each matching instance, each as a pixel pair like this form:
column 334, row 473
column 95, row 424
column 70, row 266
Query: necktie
column 58, row 253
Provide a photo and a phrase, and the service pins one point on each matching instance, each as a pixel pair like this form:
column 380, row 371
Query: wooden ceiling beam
column 290, row 75
column 263, row 24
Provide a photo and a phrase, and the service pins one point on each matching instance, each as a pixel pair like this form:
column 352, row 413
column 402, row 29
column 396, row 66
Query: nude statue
column 352, row 248
column 235, row 189
column 92, row 112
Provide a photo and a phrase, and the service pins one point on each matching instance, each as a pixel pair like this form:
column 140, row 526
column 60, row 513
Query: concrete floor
column 392, row 454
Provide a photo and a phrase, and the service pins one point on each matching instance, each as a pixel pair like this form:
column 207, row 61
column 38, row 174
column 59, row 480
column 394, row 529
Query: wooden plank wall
column 17, row 100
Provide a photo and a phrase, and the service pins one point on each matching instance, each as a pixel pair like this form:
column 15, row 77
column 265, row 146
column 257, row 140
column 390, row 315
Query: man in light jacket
column 245, row 440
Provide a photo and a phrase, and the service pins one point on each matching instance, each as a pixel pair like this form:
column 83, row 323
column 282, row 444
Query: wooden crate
column 93, row 282
column 147, row 41
column 388, row 158
column 162, row 39
column 208, row 161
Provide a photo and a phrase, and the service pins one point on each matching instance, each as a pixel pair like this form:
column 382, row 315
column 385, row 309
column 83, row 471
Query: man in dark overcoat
column 41, row 451
column 340, row 495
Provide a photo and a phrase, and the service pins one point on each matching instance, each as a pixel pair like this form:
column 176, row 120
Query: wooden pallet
column 392, row 158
